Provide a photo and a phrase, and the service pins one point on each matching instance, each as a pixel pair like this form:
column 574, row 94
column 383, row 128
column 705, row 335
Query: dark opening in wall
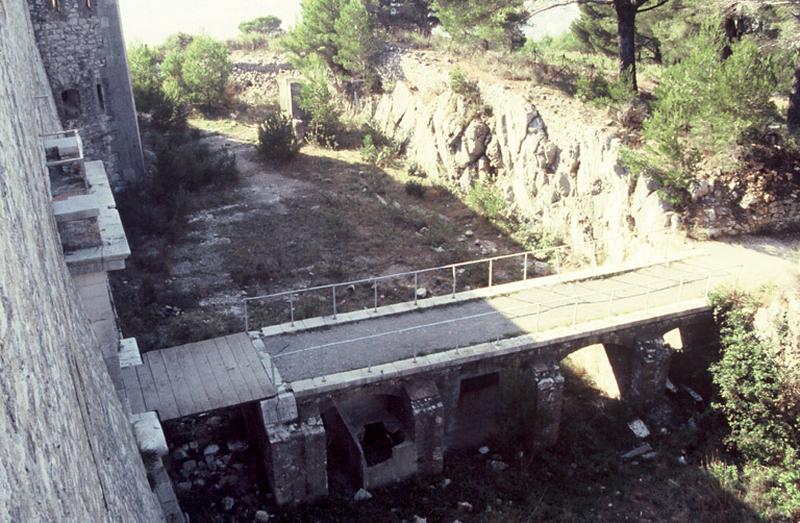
column 378, row 442
column 71, row 103
column 479, row 383
column 100, row 97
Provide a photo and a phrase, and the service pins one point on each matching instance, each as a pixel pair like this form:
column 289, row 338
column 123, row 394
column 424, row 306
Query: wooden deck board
column 187, row 354
column 134, row 390
column 180, row 387
column 166, row 396
column 198, row 377
column 148, row 384
column 229, row 390
column 214, row 389
column 265, row 387
column 248, row 378
column 229, row 360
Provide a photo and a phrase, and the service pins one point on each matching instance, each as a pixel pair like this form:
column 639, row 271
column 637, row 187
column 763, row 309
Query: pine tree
column 490, row 23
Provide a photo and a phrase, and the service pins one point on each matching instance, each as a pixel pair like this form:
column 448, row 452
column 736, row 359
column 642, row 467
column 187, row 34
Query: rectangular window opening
column 71, row 103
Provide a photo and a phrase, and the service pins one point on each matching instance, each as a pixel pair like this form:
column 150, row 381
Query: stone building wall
column 66, row 452
column 83, row 50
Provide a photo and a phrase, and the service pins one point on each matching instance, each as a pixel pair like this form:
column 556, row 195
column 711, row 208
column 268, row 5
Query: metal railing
column 611, row 298
column 559, row 254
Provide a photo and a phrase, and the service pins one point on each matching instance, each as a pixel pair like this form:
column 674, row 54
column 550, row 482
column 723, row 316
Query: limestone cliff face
column 556, row 172
column 66, row 450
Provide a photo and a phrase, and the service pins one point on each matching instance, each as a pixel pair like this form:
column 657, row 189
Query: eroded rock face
column 555, row 173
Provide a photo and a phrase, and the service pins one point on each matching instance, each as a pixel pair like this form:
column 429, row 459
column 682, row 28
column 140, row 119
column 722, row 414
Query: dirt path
column 322, row 218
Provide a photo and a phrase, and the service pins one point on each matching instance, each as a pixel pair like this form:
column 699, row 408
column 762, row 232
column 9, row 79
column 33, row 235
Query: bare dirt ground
column 324, row 217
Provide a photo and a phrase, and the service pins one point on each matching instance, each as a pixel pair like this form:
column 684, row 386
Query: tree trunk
column 626, row 34
column 793, row 115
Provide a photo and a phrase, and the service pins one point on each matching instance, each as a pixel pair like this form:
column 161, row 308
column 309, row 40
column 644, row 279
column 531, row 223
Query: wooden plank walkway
column 198, row 377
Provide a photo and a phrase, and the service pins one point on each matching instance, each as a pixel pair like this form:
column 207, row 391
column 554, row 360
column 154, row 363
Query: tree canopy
column 343, row 34
column 266, row 25
column 491, row 23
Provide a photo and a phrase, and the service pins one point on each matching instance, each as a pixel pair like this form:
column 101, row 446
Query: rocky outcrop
column 555, row 172
column 745, row 203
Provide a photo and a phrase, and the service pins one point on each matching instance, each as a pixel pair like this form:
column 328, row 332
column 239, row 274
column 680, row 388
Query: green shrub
column 752, row 385
column 416, row 189
column 276, row 139
column 599, row 91
column 376, row 148
column 487, row 199
column 145, row 76
column 704, row 107
column 184, row 163
column 317, row 101
column 463, row 86
column 760, row 405
column 205, row 71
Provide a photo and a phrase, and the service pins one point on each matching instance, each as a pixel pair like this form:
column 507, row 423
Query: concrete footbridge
column 384, row 391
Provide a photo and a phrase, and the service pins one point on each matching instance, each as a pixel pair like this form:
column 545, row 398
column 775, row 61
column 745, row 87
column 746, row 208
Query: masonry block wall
column 66, row 452
column 83, row 51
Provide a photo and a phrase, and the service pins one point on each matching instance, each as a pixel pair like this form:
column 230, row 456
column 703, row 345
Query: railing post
column 575, row 313
column 416, row 284
column 454, row 282
column 538, row 315
column 375, row 292
column 291, row 308
column 246, row 318
column 491, row 271
column 525, row 268
column 334, row 302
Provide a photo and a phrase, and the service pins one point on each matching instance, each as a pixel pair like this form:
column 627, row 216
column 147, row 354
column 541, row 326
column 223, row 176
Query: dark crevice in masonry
column 80, row 388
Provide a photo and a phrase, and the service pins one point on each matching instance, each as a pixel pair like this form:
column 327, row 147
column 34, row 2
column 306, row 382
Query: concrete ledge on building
column 66, row 145
column 75, row 208
column 111, row 254
column 153, row 447
column 129, row 355
column 149, row 434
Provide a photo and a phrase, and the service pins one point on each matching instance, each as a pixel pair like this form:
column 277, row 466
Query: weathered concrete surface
column 66, row 452
column 323, row 351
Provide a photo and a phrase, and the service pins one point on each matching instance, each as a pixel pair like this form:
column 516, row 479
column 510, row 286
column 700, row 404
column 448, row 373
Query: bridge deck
column 311, row 353
column 198, row 377
column 229, row 371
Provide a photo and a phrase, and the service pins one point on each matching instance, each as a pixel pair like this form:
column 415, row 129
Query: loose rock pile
column 214, row 469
